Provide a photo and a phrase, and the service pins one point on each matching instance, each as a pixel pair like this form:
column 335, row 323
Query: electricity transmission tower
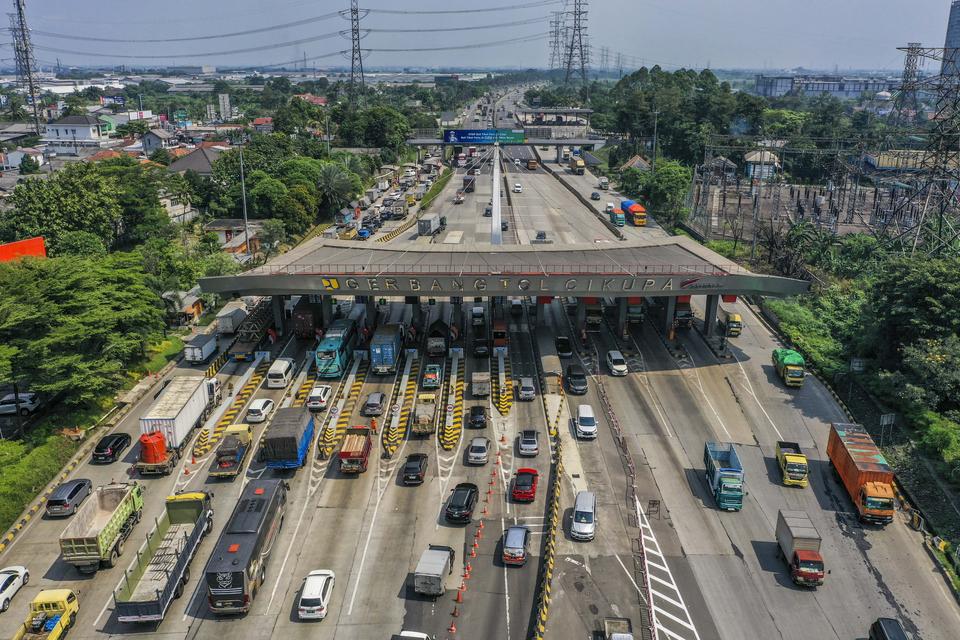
column 907, row 98
column 556, row 39
column 578, row 50
column 604, row 59
column 23, row 56
column 357, row 87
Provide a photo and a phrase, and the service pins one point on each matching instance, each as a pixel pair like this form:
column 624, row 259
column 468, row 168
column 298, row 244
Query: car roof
column 259, row 403
column 465, row 486
column 614, row 353
column 515, row 535
column 313, row 583
column 527, row 471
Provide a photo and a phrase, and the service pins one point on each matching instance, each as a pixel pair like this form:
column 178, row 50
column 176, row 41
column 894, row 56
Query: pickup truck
column 101, row 525
column 480, row 383
column 799, row 544
column 52, row 613
column 355, row 451
column 233, row 450
column 424, row 413
column 793, row 464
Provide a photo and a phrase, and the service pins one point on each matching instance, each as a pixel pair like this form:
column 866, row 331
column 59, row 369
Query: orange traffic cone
column 503, row 438
column 452, row 628
column 485, row 512
column 473, row 552
column 481, row 524
column 456, row 611
column 459, row 598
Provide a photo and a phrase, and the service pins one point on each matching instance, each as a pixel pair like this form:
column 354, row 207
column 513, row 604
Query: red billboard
column 30, row 247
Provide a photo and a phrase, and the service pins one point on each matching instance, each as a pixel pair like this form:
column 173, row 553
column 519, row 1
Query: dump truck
column 101, row 526
column 793, row 464
column 435, row 564
column 617, row 218
column 287, row 441
column 861, row 468
column 166, row 427
column 355, row 451
column 790, row 366
column 799, row 545
column 200, row 348
column 577, row 166
column 480, row 383
column 428, row 224
column 234, row 446
column 617, row 629
column 424, row 413
column 386, row 349
column 161, row 569
column 724, row 474
column 230, row 317
column 52, row 612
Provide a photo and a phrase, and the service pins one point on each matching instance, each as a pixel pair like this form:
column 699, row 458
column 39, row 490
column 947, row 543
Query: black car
column 504, row 226
column 415, row 468
column 480, row 347
column 595, row 195
column 110, row 447
column 461, row 503
column 576, row 380
column 478, row 417
column 564, row 346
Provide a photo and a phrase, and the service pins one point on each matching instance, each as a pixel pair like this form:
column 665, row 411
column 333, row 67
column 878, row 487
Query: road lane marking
column 754, row 396
column 703, row 392
column 506, row 588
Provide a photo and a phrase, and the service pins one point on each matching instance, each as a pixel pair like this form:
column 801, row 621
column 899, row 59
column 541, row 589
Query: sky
column 755, row 34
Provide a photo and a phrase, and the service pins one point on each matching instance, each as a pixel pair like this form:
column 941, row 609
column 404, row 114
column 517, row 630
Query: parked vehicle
column 790, row 367
column 528, row 442
column 52, row 613
column 166, row 427
column 415, row 468
column 319, row 396
column 110, row 447
column 424, row 414
column 315, row 594
column 96, row 535
column 230, row 317
column 583, row 523
column 65, row 499
column 478, row 451
column 386, row 349
column 161, row 569
column 480, row 383
column 463, row 498
column 731, row 324
column 793, row 464
column 863, row 471
column 200, row 348
column 355, row 450
column 799, row 544
column 24, row 403
column 428, row 224
column 232, row 451
column 617, row 363
column 617, row 629
column 516, row 541
column 725, row 476
column 12, row 579
column 288, row 440
column 525, row 485
column 430, row 576
column 585, row 422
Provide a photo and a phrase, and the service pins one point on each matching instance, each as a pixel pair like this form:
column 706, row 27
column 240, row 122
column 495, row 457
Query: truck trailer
column 863, row 471
column 230, row 317
column 355, row 452
column 288, row 440
column 100, row 527
column 423, row 418
column 306, row 318
column 234, row 447
column 386, row 349
column 200, row 348
column 799, row 545
column 428, row 224
column 724, row 474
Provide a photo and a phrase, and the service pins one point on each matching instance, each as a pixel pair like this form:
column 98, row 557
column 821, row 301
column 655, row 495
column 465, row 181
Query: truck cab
column 52, row 613
column 793, row 464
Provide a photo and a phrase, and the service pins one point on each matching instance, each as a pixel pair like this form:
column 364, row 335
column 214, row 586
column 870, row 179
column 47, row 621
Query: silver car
column 479, row 451
column 67, row 497
column 529, row 442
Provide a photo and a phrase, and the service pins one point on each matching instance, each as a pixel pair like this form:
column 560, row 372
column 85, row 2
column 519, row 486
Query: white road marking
column 102, row 611
column 366, row 546
column 629, row 575
column 753, row 394
column 506, row 588
column 706, row 398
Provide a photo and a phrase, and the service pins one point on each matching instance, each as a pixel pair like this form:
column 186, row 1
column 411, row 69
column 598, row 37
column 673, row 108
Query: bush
column 24, row 471
column 810, row 335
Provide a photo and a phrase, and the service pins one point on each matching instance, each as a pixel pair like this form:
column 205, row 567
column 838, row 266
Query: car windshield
column 582, row 517
column 587, row 421
column 811, row 565
column 525, row 480
column 311, row 602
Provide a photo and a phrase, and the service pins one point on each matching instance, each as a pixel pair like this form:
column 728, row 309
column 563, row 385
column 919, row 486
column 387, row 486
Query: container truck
column 617, row 629
column 355, row 451
column 52, row 613
column 306, row 318
column 230, row 317
column 101, row 526
column 288, row 440
column 724, row 474
column 861, row 468
column 165, row 429
column 428, row 225
column 200, row 348
column 799, row 544
column 468, row 183
column 480, row 383
column 234, row 447
column 161, row 570
column 683, row 314
column 577, row 166
column 424, row 413
column 617, row 218
column 435, row 564
column 793, row 464
column 386, row 349
column 634, row 212
column 790, row 367
column 437, row 338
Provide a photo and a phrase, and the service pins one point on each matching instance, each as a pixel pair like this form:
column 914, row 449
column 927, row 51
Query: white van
column 610, row 207
column 584, row 520
column 586, row 422
column 279, row 374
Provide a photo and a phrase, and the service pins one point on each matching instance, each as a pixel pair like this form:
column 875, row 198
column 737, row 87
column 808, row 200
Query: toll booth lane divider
column 335, row 431
column 453, row 425
column 403, row 390
column 545, row 579
column 503, row 391
column 206, row 441
column 301, row 397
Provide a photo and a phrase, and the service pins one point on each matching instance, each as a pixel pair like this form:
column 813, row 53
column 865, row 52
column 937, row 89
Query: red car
column 525, row 485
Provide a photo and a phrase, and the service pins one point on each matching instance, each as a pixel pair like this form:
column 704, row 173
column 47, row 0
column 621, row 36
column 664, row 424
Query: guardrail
column 487, row 269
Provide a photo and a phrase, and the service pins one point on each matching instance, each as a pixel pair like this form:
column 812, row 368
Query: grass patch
column 435, row 190
column 160, row 353
column 727, row 250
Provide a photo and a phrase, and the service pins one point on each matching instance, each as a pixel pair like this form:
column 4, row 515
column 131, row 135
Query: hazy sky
column 731, row 33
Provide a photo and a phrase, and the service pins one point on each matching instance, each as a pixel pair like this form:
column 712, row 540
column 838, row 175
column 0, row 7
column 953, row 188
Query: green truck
column 790, row 366
column 100, row 527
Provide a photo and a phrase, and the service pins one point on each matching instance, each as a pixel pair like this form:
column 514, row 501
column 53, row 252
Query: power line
column 500, row 25
column 532, row 38
column 527, row 5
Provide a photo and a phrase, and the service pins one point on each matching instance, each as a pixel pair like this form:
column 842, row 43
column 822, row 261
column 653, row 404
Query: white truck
column 230, row 317
column 200, row 348
column 430, row 576
column 428, row 225
column 480, row 383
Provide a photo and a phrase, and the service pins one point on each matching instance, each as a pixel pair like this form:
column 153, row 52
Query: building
column 157, row 139
column 448, row 119
column 12, row 159
column 318, row 101
column 223, row 100
column 200, row 160
column 72, row 134
column 761, row 164
column 178, row 211
column 229, row 228
column 211, row 112
column 835, row 86
column 951, row 65
column 183, row 307
column 263, row 125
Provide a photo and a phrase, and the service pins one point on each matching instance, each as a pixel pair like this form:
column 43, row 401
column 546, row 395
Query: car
column 319, row 396
column 518, row 188
column 478, row 452
column 516, row 162
column 374, row 404
column 463, row 498
column 887, row 629
column 27, row 402
column 526, row 390
column 528, row 442
column 595, row 195
column 478, row 417
column 415, row 468
column 541, row 235
column 585, row 422
column 525, row 485
column 583, row 521
column 616, row 363
column 459, row 198
column 315, row 594
column 431, row 376
column 504, row 226
column 516, row 539
column 476, row 171
column 110, row 446
column 259, row 410
column 487, row 211
column 65, row 499
column 576, row 379
column 564, row 346
column 12, row 579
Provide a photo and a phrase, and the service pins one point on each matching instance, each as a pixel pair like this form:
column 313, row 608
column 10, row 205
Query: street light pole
column 243, row 195
column 653, row 163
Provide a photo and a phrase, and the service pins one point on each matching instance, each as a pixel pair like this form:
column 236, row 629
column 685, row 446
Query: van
column 576, row 379
column 586, row 422
column 374, row 404
column 67, row 497
column 730, row 323
column 887, row 629
column 279, row 374
column 527, row 391
column 583, row 525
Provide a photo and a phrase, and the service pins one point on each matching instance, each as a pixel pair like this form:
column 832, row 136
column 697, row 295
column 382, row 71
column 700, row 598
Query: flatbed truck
column 234, row 447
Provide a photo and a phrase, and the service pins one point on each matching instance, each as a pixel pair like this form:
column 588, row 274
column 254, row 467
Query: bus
column 238, row 565
column 500, row 335
column 336, row 349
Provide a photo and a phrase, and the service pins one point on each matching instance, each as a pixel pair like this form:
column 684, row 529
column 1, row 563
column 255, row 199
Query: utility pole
column 23, row 56
column 243, row 196
column 653, row 162
column 556, row 40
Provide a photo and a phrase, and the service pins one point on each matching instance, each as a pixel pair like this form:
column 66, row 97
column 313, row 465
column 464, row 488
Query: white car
column 585, row 422
column 318, row 397
column 479, row 451
column 516, row 162
column 12, row 579
column 518, row 188
column 28, row 403
column 315, row 595
column 259, row 410
column 616, row 363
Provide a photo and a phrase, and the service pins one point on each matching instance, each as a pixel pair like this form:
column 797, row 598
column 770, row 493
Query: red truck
column 861, row 468
column 355, row 451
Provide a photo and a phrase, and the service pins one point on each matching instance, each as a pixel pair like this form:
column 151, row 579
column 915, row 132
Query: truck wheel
column 137, row 516
column 119, row 548
column 263, row 576
column 186, row 575
column 73, row 620
column 114, row 557
column 178, row 591
column 209, row 526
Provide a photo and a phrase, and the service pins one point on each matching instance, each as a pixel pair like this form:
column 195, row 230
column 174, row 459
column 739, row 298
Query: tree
column 142, row 216
column 335, row 187
column 74, row 105
column 161, row 156
column 29, row 165
column 272, row 235
column 82, row 243
column 134, row 128
column 666, row 188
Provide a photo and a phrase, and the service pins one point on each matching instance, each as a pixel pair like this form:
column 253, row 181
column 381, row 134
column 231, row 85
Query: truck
column 251, row 331
column 634, row 212
column 603, row 183
column 683, row 314
column 166, row 427
column 288, row 439
column 386, row 349
column 52, row 613
column 793, row 464
column 799, row 544
column 435, row 564
column 594, row 311
column 531, row 164
column 428, row 224
column 234, row 446
column 432, row 374
column 790, row 366
column 861, row 468
column 306, row 318
column 423, row 420
column 437, row 335
column 480, row 383
column 231, row 316
column 161, row 569
column 577, row 165
column 565, row 153
column 355, row 451
column 617, row 629
column 477, row 317
column 636, row 310
column 724, row 474
column 200, row 348
column 101, row 526
column 617, row 218
column 468, row 184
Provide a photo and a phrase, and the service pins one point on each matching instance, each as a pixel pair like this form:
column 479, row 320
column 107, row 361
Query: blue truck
column 288, row 440
column 386, row 348
column 724, row 474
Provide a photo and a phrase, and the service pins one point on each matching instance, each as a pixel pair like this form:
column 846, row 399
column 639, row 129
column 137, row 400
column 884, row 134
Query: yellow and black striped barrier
column 393, row 234
column 449, row 437
column 544, row 585
column 301, row 398
column 217, row 364
column 331, row 437
column 392, row 435
column 206, row 441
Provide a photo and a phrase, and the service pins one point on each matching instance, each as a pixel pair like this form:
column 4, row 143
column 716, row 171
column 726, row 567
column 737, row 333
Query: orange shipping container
column 862, row 470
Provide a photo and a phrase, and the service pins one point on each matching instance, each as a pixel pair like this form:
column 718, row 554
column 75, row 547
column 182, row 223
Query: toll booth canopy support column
column 278, row 303
column 710, row 317
column 581, row 315
column 621, row 317
column 326, row 311
column 371, row 303
column 671, row 312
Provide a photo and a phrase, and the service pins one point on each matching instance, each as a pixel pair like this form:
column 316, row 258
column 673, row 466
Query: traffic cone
column 469, row 568
column 459, row 598
column 481, row 524
column 503, row 438
column 452, row 628
column 456, row 611
column 485, row 512
column 473, row 552
column 186, row 471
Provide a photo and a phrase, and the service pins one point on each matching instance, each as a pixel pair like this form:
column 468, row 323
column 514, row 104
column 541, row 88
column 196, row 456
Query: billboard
column 30, row 247
column 484, row 136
